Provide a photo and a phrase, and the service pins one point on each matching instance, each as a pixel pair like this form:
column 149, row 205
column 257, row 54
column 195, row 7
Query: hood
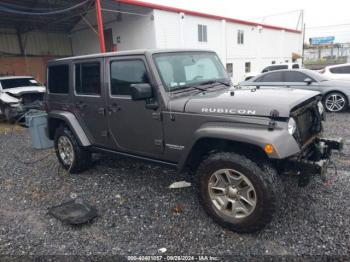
column 25, row 90
column 243, row 102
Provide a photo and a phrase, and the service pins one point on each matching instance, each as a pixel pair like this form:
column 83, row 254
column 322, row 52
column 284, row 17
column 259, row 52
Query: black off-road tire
column 268, row 186
column 82, row 156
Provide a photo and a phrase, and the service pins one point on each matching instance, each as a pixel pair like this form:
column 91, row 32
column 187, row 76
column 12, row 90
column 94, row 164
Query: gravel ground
column 138, row 213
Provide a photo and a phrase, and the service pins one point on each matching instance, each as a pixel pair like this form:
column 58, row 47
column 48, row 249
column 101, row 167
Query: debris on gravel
column 140, row 215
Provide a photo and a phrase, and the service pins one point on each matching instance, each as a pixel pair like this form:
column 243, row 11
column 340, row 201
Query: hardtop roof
column 129, row 52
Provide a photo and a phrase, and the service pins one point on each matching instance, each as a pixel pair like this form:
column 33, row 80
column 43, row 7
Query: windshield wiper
column 197, row 85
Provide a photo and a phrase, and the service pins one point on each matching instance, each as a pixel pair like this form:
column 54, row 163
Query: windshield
column 182, row 69
column 19, row 82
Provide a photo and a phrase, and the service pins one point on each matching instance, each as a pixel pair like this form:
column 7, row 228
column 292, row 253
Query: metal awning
column 16, row 14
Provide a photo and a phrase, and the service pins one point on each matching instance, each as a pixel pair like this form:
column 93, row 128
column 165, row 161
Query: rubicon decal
column 232, row 111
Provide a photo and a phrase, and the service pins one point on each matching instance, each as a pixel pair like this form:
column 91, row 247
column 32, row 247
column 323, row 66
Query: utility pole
column 101, row 35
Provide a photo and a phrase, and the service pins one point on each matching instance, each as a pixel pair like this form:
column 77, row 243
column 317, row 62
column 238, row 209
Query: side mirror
column 141, row 91
column 308, row 80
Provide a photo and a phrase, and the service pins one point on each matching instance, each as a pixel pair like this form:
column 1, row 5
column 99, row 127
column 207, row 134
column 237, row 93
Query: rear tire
column 70, row 154
column 245, row 206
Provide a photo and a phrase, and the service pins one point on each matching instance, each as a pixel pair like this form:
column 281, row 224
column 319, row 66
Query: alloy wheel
column 65, row 150
column 335, row 102
column 232, row 193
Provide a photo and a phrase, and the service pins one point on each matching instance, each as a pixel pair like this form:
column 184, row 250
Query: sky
column 319, row 16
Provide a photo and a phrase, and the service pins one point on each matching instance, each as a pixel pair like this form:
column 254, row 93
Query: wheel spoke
column 247, row 195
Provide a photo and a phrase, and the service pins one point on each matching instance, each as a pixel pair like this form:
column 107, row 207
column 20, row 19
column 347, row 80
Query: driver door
column 133, row 126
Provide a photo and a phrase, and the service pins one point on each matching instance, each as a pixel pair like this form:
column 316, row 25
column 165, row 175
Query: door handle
column 114, row 108
column 81, row 105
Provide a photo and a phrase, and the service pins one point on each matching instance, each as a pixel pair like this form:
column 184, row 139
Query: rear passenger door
column 89, row 99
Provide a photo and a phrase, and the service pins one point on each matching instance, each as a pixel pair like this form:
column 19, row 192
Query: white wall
column 134, row 32
column 164, row 29
column 261, row 45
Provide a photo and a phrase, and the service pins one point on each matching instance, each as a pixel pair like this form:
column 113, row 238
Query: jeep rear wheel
column 237, row 193
column 71, row 155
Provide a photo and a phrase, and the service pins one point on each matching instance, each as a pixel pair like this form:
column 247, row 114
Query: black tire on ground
column 336, row 109
column 268, row 187
column 82, row 157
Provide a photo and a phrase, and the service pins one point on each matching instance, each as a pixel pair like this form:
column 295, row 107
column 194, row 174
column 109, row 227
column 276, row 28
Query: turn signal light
column 268, row 149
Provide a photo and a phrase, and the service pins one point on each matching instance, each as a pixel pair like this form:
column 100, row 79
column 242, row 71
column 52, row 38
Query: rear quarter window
column 58, row 79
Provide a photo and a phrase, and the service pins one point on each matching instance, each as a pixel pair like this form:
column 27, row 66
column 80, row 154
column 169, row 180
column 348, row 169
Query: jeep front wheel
column 237, row 193
column 71, row 155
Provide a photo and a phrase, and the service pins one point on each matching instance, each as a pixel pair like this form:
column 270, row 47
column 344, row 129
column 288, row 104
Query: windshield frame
column 189, row 85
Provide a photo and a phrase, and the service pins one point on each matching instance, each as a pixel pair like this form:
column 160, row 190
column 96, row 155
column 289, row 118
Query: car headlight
column 292, row 126
column 320, row 108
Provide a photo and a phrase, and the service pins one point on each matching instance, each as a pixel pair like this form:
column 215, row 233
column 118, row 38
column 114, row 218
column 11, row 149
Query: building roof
column 195, row 13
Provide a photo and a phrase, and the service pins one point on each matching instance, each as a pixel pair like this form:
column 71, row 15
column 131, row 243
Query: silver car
column 336, row 94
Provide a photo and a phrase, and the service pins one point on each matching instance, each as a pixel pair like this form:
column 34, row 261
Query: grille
column 309, row 122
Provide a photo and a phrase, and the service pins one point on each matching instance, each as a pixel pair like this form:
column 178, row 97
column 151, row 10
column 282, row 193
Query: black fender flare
column 72, row 122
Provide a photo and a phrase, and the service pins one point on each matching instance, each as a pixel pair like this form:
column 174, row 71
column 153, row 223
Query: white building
column 242, row 46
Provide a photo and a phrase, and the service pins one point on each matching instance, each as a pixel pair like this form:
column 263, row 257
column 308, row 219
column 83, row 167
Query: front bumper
column 313, row 160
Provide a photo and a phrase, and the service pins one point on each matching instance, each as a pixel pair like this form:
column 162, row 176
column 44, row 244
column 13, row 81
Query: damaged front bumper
column 313, row 160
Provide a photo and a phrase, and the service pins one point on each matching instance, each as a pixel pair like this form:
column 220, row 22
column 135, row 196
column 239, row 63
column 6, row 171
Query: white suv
column 337, row 72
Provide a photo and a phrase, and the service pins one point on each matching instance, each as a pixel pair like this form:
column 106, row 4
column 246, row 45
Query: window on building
column 127, row 72
column 292, row 76
column 87, row 78
column 202, row 33
column 287, row 61
column 340, row 70
column 247, row 67
column 58, row 80
column 240, row 37
column 229, row 69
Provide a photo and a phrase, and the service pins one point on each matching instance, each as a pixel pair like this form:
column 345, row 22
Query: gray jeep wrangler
column 178, row 108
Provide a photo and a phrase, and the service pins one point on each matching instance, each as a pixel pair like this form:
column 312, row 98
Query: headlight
column 320, row 108
column 292, row 126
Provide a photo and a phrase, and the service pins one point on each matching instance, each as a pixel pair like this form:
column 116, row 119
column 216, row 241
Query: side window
column 202, row 33
column 291, row 76
column 58, row 80
column 340, row 70
column 240, row 37
column 272, row 77
column 229, row 69
column 247, row 67
column 266, row 69
column 278, row 67
column 87, row 78
column 124, row 73
column 295, row 66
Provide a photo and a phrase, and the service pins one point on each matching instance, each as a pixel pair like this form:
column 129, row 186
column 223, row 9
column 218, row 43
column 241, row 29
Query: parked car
column 336, row 94
column 178, row 108
column 18, row 94
column 337, row 72
column 273, row 68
